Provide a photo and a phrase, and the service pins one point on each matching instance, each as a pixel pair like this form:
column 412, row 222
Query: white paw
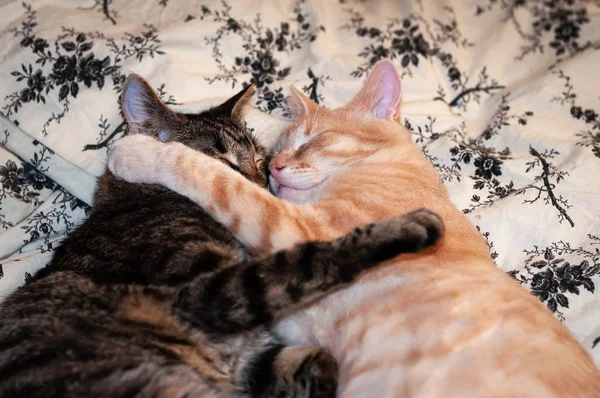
column 135, row 158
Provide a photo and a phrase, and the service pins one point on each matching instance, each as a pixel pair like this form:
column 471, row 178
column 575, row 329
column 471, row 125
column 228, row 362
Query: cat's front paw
column 415, row 231
column 135, row 158
column 320, row 374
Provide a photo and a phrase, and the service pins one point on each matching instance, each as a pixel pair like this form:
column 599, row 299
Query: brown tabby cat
column 152, row 298
column 444, row 322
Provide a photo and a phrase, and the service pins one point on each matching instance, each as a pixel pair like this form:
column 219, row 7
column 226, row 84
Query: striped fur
column 150, row 297
column 421, row 327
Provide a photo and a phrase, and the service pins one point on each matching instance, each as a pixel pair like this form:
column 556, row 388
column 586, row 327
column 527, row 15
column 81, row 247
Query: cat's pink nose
column 279, row 163
column 275, row 168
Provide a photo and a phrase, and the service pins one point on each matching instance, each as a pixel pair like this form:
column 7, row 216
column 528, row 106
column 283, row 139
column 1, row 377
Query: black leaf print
column 64, row 91
column 588, row 284
column 557, row 23
column 265, row 49
column 86, row 46
column 73, row 63
column 405, row 60
column 552, row 304
column 562, row 300
column 74, row 89
column 69, row 46
column 588, row 138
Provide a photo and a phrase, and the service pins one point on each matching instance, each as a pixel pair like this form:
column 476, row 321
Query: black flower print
column 264, row 68
column 37, row 81
column 590, row 115
column 26, row 95
column 265, row 49
column 566, row 31
column 589, row 138
column 43, row 225
column 92, row 70
column 72, row 65
column 39, row 45
column 543, row 285
column 36, row 179
column 64, row 69
column 576, row 112
column 11, row 176
column 402, row 39
column 487, row 166
column 21, row 180
column 410, row 40
column 571, row 277
column 487, row 162
column 453, row 74
column 272, row 99
column 553, row 279
column 233, row 25
column 558, row 21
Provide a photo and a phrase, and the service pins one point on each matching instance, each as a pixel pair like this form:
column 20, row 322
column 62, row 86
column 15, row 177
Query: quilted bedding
column 503, row 97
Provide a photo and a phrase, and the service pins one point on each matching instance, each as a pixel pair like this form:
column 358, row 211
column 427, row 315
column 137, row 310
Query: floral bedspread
column 503, row 97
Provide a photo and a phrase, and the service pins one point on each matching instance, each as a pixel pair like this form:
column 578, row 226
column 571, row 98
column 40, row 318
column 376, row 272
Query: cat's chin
column 292, row 194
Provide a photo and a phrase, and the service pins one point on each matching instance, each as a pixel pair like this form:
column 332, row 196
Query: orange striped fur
column 442, row 323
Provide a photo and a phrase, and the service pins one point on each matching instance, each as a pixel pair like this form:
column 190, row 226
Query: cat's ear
column 380, row 95
column 299, row 104
column 144, row 111
column 235, row 105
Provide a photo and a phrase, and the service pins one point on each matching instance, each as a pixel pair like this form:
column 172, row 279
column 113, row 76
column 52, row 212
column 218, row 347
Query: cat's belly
column 430, row 333
column 321, row 324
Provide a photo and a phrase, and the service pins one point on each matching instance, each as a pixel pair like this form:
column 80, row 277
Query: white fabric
column 483, row 76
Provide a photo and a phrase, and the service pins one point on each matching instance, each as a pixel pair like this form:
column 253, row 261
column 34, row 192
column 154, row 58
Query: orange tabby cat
column 442, row 323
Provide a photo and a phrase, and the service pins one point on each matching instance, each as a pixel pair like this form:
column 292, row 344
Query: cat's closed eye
column 259, row 161
column 230, row 163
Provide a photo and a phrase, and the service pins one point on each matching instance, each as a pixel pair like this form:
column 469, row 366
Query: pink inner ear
column 133, row 104
column 298, row 104
column 380, row 94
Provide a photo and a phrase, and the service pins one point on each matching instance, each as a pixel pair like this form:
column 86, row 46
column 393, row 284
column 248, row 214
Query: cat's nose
column 275, row 168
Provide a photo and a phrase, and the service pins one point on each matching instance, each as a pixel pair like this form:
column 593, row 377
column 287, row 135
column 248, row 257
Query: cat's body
column 151, row 297
column 444, row 322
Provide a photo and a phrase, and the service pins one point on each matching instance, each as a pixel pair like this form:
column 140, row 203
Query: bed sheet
column 503, row 97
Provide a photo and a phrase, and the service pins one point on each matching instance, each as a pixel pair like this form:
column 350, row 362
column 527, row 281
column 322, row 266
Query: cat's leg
column 298, row 372
column 265, row 290
column 261, row 222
